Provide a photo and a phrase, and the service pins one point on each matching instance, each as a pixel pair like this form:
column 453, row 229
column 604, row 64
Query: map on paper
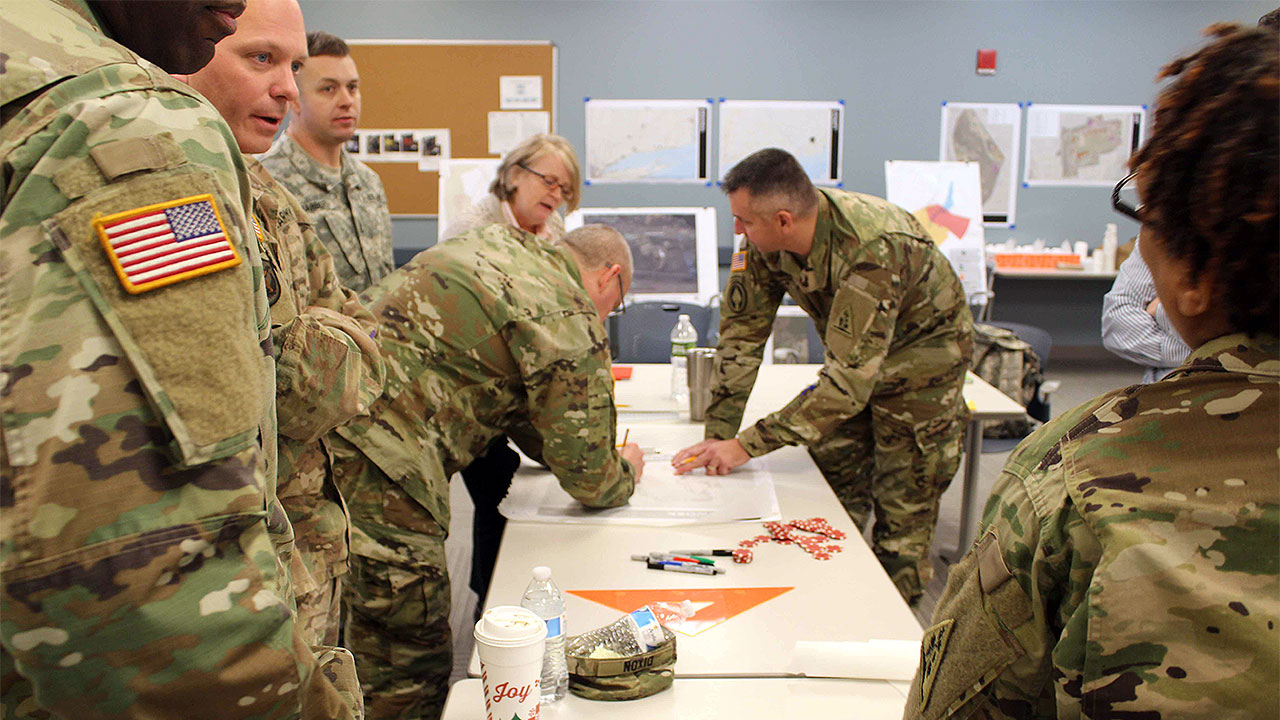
column 811, row 131
column 946, row 197
column 1081, row 144
column 988, row 134
column 647, row 140
column 661, row 498
column 463, row 183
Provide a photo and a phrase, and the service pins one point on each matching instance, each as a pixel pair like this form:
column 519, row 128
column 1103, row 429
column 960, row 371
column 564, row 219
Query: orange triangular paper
column 710, row 606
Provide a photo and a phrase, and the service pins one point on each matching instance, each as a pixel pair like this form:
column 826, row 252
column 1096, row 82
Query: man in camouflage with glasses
column 494, row 331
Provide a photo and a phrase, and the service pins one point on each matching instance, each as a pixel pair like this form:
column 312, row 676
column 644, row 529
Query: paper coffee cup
column 510, row 641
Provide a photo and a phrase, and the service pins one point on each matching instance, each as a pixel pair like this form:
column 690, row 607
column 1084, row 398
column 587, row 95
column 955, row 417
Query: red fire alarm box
column 986, row 62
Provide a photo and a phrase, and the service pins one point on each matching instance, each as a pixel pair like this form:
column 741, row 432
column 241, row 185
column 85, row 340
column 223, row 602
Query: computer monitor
column 674, row 249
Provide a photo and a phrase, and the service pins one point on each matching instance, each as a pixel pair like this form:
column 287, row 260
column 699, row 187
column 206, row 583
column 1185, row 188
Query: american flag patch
column 738, row 261
column 165, row 243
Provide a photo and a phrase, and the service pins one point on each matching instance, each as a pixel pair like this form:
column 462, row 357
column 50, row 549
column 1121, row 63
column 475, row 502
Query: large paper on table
column 661, row 498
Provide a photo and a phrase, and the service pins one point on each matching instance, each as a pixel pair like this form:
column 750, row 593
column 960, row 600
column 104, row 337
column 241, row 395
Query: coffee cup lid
column 510, row 625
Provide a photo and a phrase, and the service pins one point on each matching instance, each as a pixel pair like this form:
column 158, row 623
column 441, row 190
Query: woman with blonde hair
column 534, row 181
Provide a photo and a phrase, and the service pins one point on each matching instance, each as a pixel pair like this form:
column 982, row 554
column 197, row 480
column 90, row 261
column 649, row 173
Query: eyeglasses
column 1124, row 207
column 549, row 182
column 622, row 298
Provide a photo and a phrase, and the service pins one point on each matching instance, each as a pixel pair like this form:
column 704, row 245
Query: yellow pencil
column 688, row 460
column 626, row 435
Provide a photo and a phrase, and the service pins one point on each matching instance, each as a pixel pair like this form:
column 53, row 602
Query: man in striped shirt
column 1134, row 324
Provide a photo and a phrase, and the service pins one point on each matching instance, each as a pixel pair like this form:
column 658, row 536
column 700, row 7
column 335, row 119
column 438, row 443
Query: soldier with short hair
column 327, row 364
column 1127, row 566
column 885, row 420
column 137, row 481
column 494, row 331
column 342, row 196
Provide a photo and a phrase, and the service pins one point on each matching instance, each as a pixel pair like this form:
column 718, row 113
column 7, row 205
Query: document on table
column 661, row 498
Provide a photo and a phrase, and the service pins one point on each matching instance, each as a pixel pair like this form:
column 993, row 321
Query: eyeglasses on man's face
column 1124, row 199
column 549, row 182
column 622, row 297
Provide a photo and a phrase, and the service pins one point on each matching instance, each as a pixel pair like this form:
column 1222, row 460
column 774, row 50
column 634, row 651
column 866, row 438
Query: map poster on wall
column 1082, row 144
column 647, row 141
column 811, row 131
column 988, row 134
column 946, row 197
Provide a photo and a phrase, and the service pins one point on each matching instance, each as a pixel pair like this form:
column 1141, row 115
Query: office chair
column 644, row 330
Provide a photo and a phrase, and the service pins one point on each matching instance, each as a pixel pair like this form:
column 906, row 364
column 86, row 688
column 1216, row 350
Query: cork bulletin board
column 450, row 84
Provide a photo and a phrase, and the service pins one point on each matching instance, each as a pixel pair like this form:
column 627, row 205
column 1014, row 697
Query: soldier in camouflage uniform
column 342, row 196
column 138, row 519
column 885, row 420
column 327, row 363
column 493, row 331
column 1128, row 564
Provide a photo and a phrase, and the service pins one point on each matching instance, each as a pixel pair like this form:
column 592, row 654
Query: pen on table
column 707, row 553
column 657, row 557
column 683, row 567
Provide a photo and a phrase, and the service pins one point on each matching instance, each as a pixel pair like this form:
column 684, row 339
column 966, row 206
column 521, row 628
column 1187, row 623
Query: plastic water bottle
column 544, row 599
column 683, row 338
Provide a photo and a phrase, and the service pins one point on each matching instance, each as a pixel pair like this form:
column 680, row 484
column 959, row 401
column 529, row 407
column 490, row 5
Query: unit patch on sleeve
column 932, row 647
column 158, row 245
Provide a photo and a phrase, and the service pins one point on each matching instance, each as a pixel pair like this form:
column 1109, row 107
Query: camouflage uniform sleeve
column 859, row 332
column 569, row 384
column 748, row 306
column 134, row 498
column 1021, row 587
column 328, row 368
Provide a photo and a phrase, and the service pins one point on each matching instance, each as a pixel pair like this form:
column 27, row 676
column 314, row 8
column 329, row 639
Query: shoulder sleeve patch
column 739, row 261
column 735, row 295
column 161, row 244
column 932, row 647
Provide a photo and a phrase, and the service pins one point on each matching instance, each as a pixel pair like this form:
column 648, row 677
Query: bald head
column 251, row 77
column 604, row 261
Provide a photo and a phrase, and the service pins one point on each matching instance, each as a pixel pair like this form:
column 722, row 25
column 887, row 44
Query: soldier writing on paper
column 494, row 331
column 884, row 422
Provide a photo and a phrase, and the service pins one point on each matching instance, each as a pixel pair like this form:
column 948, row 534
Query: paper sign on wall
column 509, row 129
column 520, row 92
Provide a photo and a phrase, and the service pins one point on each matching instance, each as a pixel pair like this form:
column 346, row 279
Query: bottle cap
column 542, row 573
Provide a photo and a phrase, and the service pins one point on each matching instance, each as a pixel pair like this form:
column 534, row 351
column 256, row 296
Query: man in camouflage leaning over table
column 886, row 418
column 327, row 365
column 494, row 331
column 137, row 508
column 343, row 196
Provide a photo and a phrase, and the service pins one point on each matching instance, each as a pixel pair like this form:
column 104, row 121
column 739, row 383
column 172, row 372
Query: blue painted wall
column 892, row 62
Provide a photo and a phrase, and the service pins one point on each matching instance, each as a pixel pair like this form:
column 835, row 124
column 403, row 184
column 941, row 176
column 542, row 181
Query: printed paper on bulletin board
column 451, row 85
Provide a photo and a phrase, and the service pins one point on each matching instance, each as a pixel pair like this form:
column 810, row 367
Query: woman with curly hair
column 1130, row 551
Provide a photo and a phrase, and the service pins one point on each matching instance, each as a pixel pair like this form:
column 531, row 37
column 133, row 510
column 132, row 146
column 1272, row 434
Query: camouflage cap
column 621, row 678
